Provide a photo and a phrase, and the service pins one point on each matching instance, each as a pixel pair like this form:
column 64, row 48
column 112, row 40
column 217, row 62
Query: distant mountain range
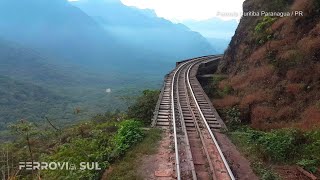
column 214, row 27
column 100, row 35
column 143, row 30
column 55, row 28
column 217, row 31
column 33, row 86
column 56, row 55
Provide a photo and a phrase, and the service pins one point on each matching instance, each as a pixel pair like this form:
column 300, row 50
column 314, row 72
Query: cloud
column 180, row 10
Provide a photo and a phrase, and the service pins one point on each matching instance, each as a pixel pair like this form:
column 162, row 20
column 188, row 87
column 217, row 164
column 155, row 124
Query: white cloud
column 180, row 10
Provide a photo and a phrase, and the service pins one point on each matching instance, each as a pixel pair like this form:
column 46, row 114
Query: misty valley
column 156, row 89
column 57, row 58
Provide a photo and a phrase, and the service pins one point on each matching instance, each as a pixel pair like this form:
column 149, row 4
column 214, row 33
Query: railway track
column 184, row 108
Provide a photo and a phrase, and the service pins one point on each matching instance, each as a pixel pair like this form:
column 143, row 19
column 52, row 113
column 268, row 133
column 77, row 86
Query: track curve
column 184, row 107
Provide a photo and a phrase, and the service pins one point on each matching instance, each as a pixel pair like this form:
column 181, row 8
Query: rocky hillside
column 273, row 66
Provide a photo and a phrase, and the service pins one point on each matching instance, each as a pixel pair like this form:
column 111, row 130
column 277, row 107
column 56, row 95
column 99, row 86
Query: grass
column 126, row 168
column 241, row 140
column 278, row 147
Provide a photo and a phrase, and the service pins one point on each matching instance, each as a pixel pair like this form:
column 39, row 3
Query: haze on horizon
column 180, row 10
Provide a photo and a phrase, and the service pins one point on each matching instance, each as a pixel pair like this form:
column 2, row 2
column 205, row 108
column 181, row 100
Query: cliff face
column 273, row 65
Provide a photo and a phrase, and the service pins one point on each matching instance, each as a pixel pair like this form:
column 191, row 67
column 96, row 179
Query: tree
column 26, row 130
column 144, row 106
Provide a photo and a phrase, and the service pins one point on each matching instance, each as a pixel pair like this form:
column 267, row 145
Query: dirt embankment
column 273, row 66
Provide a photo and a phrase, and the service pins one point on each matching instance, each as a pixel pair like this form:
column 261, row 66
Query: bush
column 227, row 90
column 309, row 165
column 216, row 79
column 128, row 134
column 97, row 148
column 233, row 117
column 213, row 89
column 287, row 145
column 261, row 29
column 269, row 175
column 311, row 150
column 284, row 146
column 143, row 108
column 264, row 172
column 281, row 145
column 266, row 22
column 100, row 145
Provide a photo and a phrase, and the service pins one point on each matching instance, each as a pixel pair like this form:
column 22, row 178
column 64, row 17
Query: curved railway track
column 184, row 107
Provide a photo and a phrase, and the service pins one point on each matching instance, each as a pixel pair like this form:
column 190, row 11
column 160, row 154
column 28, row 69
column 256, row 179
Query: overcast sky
column 179, row 10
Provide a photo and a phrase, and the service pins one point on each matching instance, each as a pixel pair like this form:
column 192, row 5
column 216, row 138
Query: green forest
column 103, row 138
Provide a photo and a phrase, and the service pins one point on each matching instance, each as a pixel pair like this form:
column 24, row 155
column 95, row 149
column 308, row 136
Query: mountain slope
column 19, row 100
column 28, row 65
column 56, row 28
column 142, row 30
column 33, row 86
column 273, row 65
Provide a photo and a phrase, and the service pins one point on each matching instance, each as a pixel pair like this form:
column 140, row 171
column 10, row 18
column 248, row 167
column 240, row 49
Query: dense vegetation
column 267, row 150
column 35, row 87
column 273, row 67
column 143, row 108
column 278, row 147
column 104, row 139
column 20, row 100
column 128, row 166
column 76, row 62
column 102, row 143
column 267, row 87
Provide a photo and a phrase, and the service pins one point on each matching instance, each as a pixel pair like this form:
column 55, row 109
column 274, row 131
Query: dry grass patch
column 239, row 81
column 293, row 75
column 310, row 118
column 302, row 5
column 260, row 116
column 224, row 83
column 258, row 54
column 255, row 97
column 309, row 45
column 285, row 113
column 294, row 88
column 227, row 101
column 260, row 73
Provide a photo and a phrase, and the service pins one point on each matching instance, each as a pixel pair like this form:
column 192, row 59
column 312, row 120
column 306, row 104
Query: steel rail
column 208, row 127
column 199, row 130
column 183, row 127
column 173, row 112
column 174, row 122
column 167, row 92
